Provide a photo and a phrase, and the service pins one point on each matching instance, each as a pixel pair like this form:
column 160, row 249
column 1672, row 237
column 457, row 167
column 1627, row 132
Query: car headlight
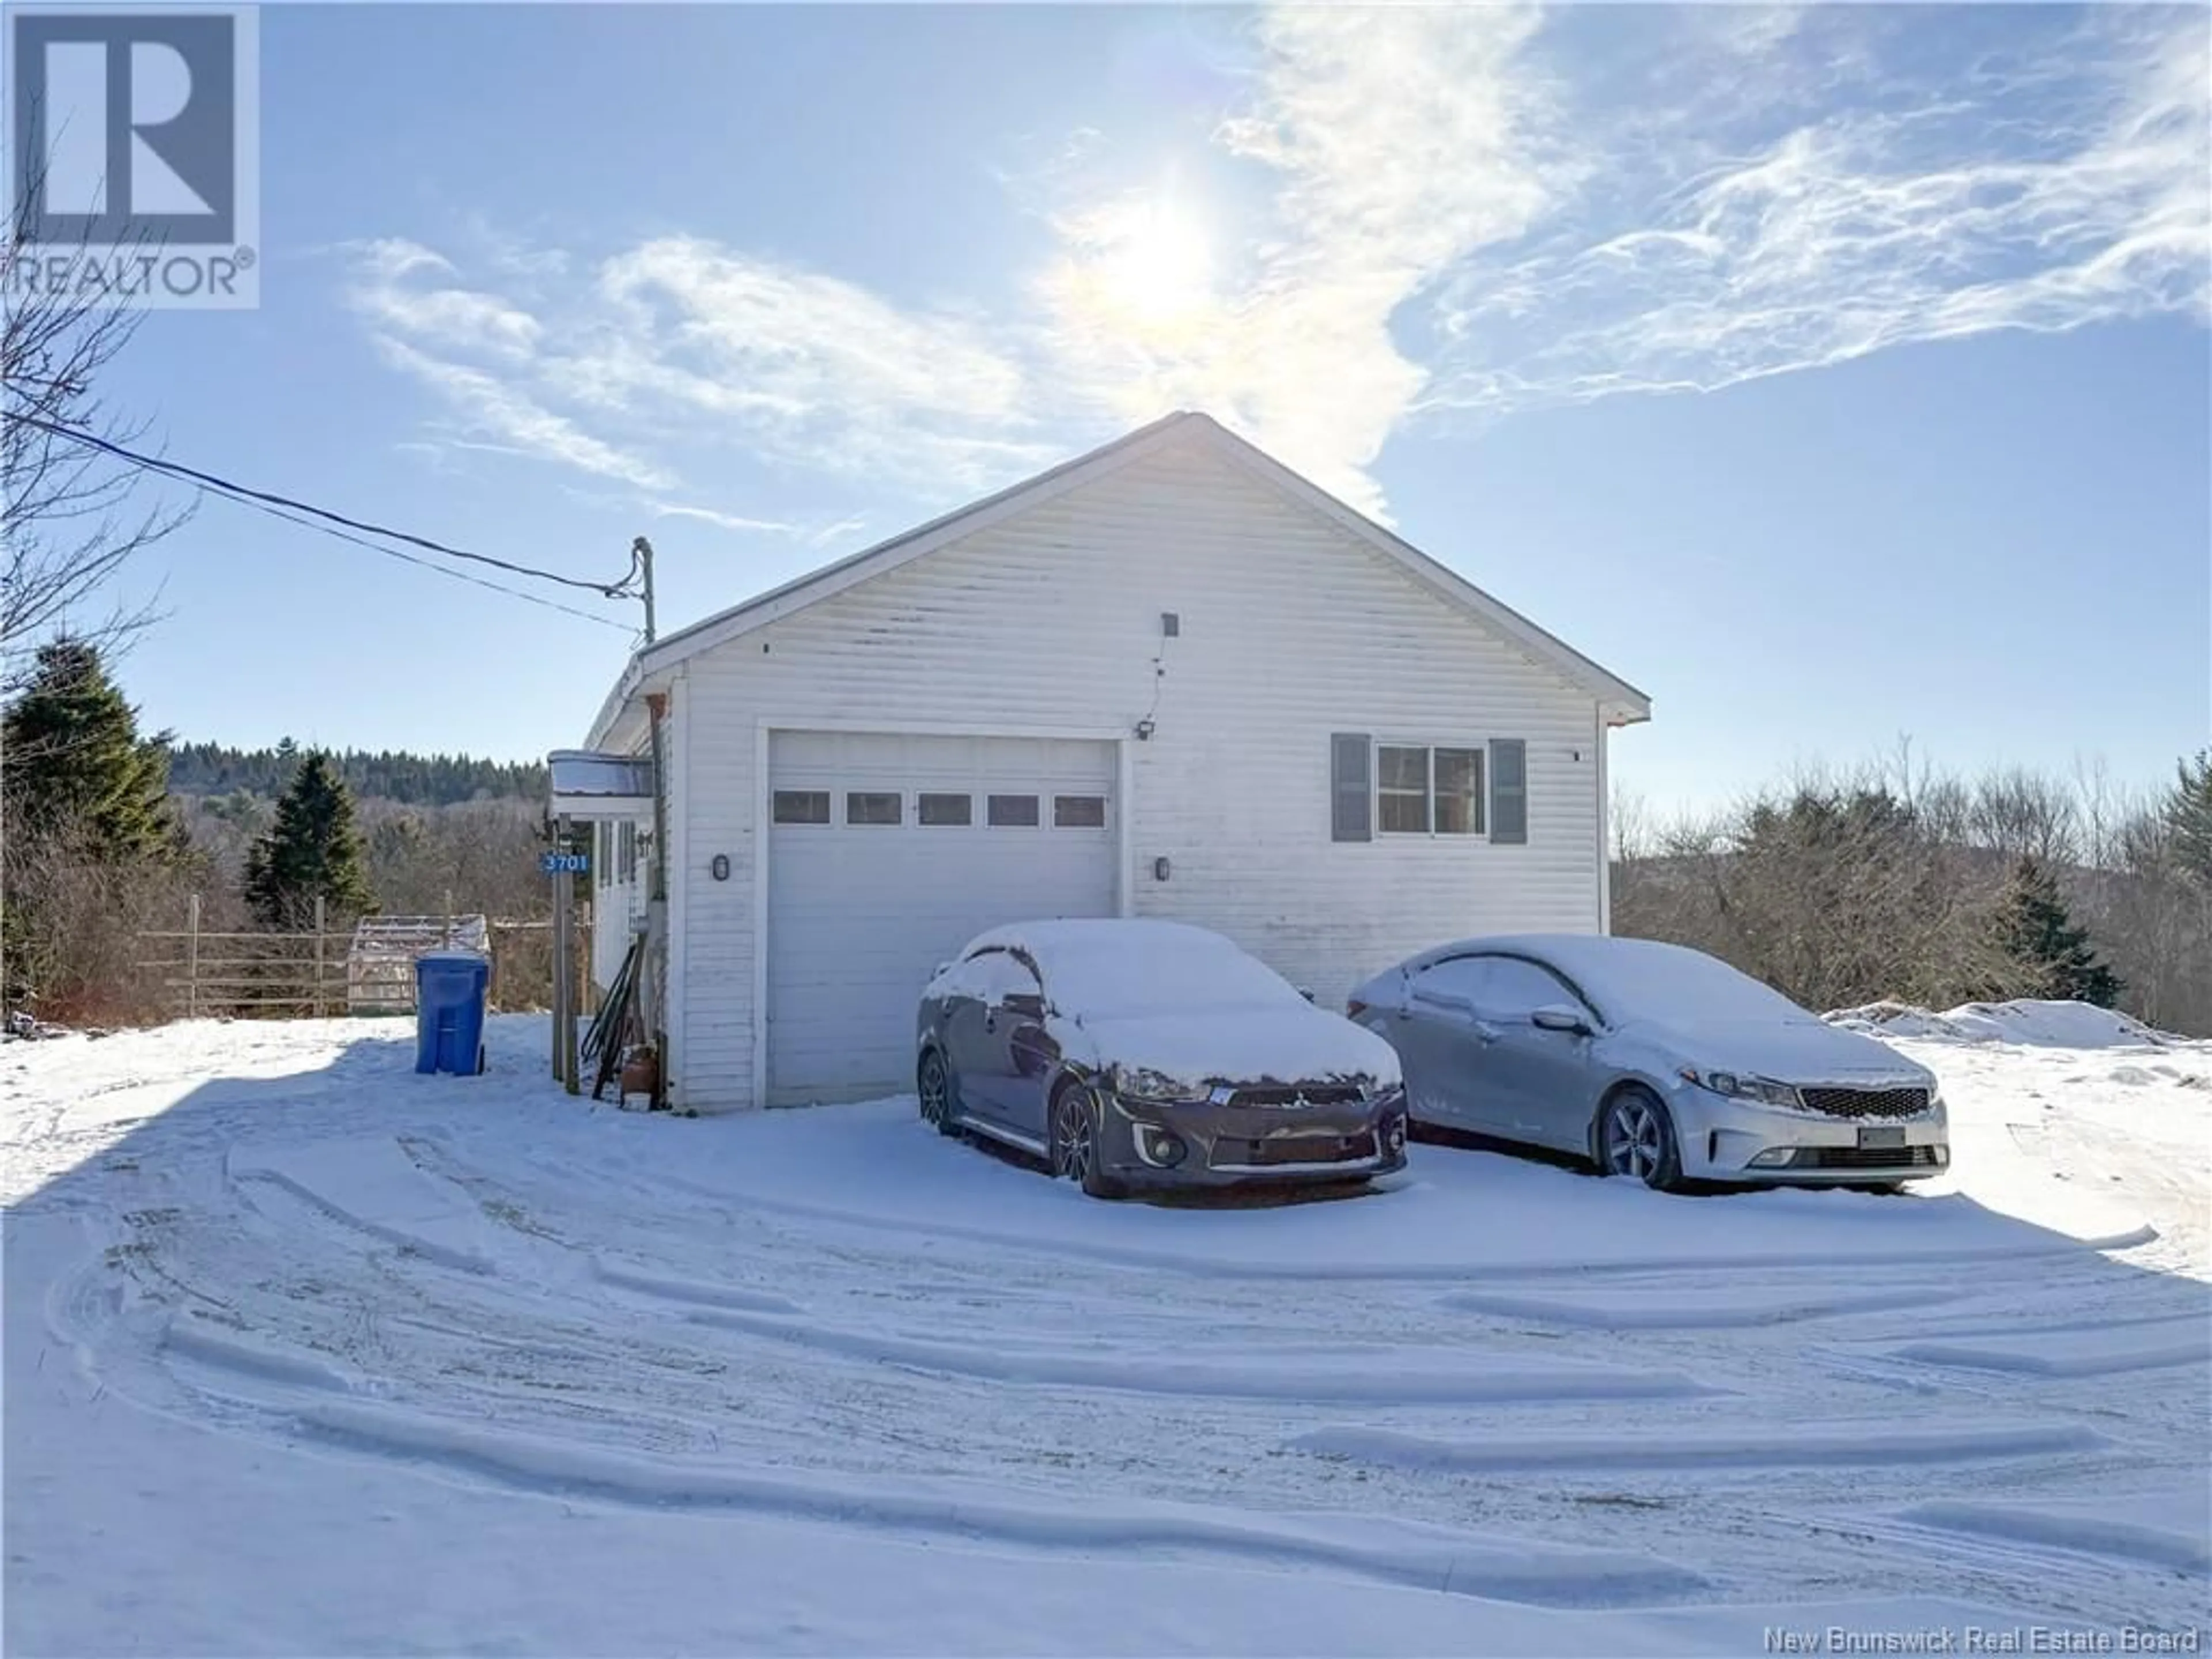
column 1142, row 1082
column 1738, row 1086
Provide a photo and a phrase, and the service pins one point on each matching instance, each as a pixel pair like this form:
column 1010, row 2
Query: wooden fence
column 302, row 974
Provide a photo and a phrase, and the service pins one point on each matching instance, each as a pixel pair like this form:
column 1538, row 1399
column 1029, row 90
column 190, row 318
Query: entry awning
column 589, row 785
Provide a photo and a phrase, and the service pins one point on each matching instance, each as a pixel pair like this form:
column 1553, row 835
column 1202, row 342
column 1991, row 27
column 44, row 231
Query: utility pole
column 653, row 984
column 642, row 550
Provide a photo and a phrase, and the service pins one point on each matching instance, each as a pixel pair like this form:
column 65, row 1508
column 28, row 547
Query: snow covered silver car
column 1131, row 1053
column 1652, row 1061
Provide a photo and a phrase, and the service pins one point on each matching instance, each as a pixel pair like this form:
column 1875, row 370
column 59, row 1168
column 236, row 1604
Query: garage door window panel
column 937, row 810
column 876, row 808
column 1079, row 812
column 802, row 806
column 1013, row 812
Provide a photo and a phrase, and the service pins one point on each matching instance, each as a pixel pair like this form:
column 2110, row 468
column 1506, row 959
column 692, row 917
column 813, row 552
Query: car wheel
column 934, row 1085
column 1076, row 1151
column 1636, row 1137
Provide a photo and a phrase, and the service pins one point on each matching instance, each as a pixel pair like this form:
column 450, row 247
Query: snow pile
column 2038, row 1024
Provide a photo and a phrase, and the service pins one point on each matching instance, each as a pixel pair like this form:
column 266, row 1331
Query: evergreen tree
column 75, row 765
column 2188, row 814
column 2056, row 955
column 313, row 850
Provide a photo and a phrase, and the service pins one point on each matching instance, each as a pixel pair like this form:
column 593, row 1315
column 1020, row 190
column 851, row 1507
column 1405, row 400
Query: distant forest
column 213, row 768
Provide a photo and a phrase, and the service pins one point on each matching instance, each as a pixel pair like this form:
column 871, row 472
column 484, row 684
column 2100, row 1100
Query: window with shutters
column 1429, row 789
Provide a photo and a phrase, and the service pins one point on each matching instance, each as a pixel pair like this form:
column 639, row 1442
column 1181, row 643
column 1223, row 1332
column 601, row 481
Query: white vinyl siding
column 1292, row 632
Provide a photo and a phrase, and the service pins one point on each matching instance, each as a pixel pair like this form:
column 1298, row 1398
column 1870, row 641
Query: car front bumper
column 1723, row 1139
column 1156, row 1144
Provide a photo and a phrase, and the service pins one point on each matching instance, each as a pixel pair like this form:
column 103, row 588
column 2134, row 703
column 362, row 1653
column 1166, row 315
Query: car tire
column 937, row 1093
column 1634, row 1136
column 1075, row 1142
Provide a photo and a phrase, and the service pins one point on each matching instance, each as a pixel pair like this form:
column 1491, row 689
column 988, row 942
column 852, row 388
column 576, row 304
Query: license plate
column 1886, row 1138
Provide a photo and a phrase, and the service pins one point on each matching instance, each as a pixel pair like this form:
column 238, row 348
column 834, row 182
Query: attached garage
column 1168, row 678
column 886, row 852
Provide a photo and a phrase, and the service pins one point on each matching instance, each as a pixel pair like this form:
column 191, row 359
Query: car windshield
column 1639, row 979
column 1117, row 973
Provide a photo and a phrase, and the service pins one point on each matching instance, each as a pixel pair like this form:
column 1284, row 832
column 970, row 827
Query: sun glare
column 1158, row 267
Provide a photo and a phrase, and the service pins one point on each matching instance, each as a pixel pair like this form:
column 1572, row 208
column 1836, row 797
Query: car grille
column 1230, row 1152
column 1866, row 1102
column 1299, row 1094
column 1864, row 1158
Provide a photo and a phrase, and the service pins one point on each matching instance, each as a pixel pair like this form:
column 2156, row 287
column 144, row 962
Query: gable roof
column 1622, row 703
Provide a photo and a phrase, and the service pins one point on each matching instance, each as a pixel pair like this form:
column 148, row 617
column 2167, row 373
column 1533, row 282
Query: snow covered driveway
column 305, row 1354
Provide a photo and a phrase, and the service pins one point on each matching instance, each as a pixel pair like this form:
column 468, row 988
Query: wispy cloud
column 2060, row 184
column 1401, row 215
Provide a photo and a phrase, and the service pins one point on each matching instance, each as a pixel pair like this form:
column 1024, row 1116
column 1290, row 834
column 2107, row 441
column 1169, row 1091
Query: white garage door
column 887, row 854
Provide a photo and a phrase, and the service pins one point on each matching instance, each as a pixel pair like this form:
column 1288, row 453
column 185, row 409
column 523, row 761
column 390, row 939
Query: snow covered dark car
column 1135, row 1055
column 1652, row 1061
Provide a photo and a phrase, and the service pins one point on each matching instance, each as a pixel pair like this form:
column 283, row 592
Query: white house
column 1170, row 678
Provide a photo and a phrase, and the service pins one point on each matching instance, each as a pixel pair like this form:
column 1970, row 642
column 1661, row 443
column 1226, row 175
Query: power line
column 269, row 502
column 438, row 569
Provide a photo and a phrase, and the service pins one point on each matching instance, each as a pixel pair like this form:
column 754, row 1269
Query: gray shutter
column 1352, row 785
column 1508, row 791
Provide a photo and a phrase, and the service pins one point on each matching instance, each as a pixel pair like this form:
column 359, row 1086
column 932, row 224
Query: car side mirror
column 1559, row 1018
column 1022, row 1004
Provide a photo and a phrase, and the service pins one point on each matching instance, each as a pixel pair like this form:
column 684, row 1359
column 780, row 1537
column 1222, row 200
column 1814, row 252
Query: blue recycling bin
column 451, row 988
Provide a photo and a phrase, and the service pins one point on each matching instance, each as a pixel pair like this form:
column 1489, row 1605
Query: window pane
column 946, row 809
column 1404, row 814
column 1079, row 812
column 1013, row 811
column 1403, row 769
column 873, row 806
column 1402, row 792
column 802, row 806
column 1459, row 792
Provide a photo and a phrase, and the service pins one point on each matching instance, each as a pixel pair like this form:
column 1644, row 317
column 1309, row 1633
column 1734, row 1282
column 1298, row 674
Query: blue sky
column 1832, row 372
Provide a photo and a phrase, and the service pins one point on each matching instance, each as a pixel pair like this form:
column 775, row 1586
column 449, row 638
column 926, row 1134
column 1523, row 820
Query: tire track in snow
column 1869, row 1446
column 1427, row 1557
column 1385, row 1380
